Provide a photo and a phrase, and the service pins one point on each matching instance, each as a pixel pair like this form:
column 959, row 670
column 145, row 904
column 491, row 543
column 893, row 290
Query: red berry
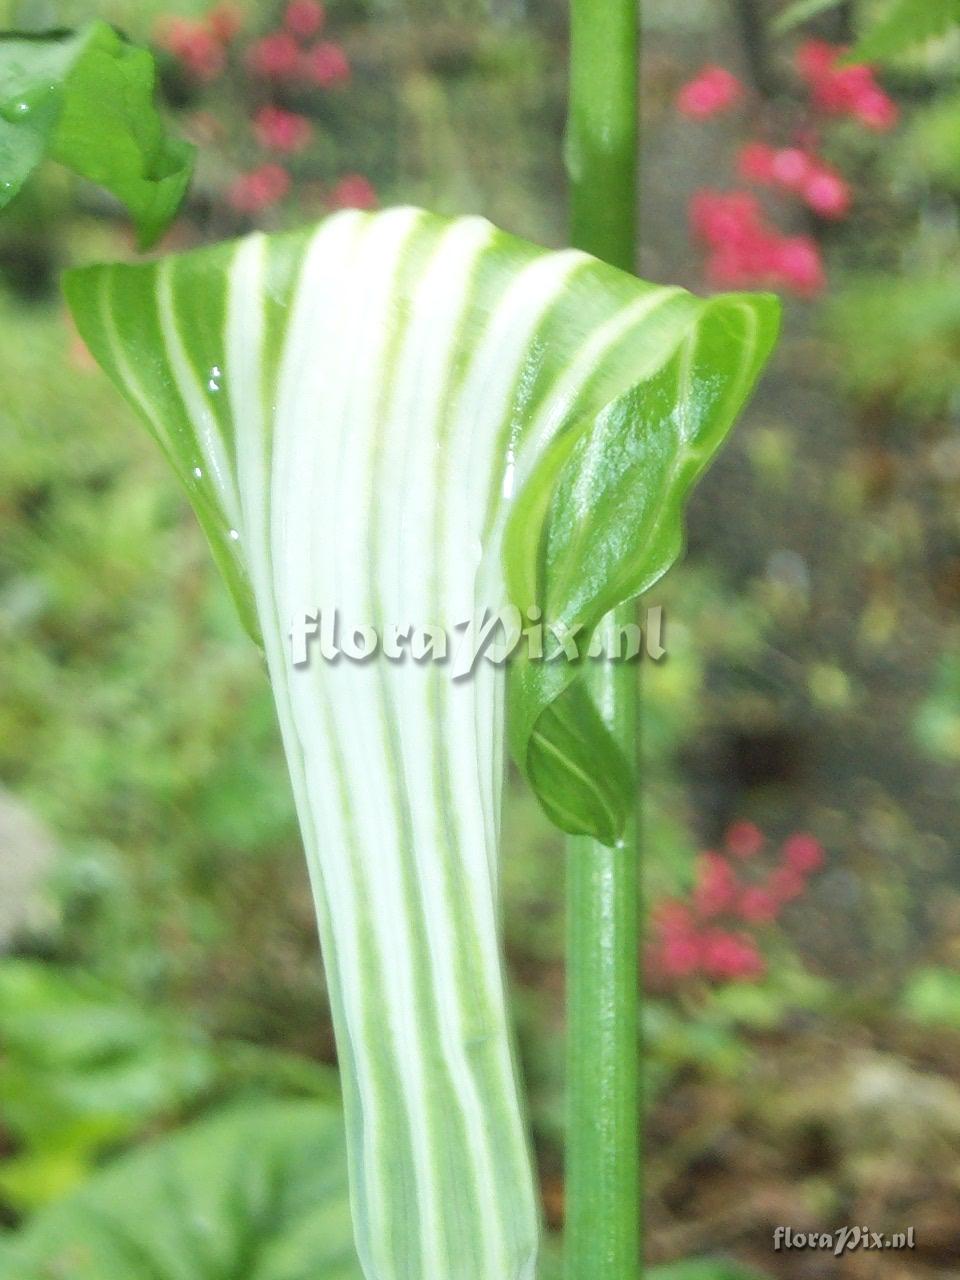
column 304, row 18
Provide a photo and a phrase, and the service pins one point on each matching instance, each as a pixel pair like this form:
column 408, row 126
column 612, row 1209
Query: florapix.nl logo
column 495, row 636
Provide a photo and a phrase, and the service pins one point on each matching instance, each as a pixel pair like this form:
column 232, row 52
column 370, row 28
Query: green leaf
column 613, row 495
column 801, row 11
column 905, row 24
column 258, row 1191
column 400, row 419
column 86, row 100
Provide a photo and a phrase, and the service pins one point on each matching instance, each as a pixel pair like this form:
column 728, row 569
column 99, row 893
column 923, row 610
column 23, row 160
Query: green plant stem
column 603, row 1190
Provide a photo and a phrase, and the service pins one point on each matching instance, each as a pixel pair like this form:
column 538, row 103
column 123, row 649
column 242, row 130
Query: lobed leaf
column 86, row 99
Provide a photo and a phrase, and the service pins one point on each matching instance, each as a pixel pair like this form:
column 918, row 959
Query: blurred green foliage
column 258, row 1191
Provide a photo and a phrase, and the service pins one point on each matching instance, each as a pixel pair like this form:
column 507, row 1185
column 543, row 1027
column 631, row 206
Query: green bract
column 86, row 99
column 411, row 420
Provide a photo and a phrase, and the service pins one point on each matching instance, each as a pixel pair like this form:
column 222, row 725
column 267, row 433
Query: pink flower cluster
column 285, row 54
column 291, row 53
column 200, row 44
column 799, row 172
column 703, row 935
column 744, row 247
column 844, row 90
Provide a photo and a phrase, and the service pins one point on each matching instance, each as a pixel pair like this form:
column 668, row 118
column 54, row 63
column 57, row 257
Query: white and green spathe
column 406, row 418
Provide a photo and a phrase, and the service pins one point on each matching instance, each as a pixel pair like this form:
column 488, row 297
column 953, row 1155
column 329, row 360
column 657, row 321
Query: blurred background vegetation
column 160, row 988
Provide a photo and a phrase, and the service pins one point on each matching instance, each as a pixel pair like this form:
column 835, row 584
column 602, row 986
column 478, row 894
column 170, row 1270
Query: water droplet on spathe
column 213, row 381
column 198, row 473
column 235, row 535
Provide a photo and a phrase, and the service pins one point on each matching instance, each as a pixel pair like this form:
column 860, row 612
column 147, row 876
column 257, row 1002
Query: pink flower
column 353, row 192
column 325, row 65
column 721, row 218
column 803, row 853
column 746, row 250
column 194, row 45
column 226, row 22
column 304, row 18
column 797, row 170
column 744, row 839
column 259, row 189
column 757, row 905
column 716, row 888
column 672, row 916
column 280, row 130
column 755, row 162
column 791, row 167
column 876, row 109
column 786, row 884
column 713, row 89
column 798, row 265
column 732, row 956
column 815, row 59
column 679, row 955
column 275, row 57
column 827, row 194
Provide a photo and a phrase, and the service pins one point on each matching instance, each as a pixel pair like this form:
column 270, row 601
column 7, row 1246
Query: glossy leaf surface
column 86, row 99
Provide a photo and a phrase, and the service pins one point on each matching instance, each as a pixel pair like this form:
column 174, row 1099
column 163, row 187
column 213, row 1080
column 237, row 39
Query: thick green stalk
column 603, row 1096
